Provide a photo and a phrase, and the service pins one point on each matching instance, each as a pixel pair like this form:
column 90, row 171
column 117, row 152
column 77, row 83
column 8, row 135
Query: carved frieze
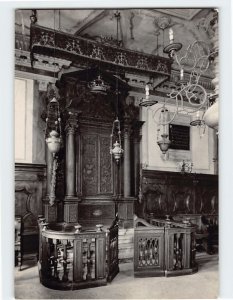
column 44, row 40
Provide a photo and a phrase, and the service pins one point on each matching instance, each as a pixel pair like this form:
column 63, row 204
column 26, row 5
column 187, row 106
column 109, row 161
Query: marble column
column 127, row 179
column 71, row 199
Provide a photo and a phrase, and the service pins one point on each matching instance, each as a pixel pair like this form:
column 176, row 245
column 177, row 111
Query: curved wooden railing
column 72, row 257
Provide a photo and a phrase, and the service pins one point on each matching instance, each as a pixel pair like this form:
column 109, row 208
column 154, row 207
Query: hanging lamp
column 116, row 149
column 53, row 134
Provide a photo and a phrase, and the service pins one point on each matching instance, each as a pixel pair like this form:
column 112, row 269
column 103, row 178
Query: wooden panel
column 96, row 163
column 78, row 260
column 96, row 213
column 125, row 210
column 31, row 178
column 29, row 192
column 89, row 165
column 173, row 193
column 105, row 168
column 100, row 257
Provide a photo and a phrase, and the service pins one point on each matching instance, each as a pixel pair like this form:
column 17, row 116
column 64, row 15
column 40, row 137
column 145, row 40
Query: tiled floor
column 203, row 284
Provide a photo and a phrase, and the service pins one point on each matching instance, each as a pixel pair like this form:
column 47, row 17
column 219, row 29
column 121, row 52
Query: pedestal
column 71, row 209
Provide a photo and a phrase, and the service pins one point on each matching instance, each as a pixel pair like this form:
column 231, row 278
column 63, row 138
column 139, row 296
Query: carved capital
column 43, row 85
column 70, row 129
column 127, row 132
column 71, row 123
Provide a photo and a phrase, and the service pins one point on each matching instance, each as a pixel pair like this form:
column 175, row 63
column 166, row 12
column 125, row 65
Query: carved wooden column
column 71, row 200
column 127, row 179
column 136, row 142
column 50, row 211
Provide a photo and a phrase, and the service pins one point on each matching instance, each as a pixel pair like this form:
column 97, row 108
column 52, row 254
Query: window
column 23, row 119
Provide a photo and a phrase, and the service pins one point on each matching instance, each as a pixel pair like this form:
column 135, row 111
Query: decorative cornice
column 34, row 76
column 42, row 62
column 86, row 52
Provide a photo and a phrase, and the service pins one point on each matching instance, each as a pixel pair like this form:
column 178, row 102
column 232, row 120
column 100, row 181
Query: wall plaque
column 179, row 136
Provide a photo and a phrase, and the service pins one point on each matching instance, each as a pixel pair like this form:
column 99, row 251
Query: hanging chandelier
column 98, row 86
column 115, row 141
column 199, row 123
column 53, row 127
column 53, row 133
column 116, row 149
column 147, row 101
column 163, row 140
column 53, row 139
column 195, row 62
column 189, row 96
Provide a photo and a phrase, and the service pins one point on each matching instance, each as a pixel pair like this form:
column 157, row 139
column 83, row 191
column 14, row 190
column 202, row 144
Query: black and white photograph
column 116, row 152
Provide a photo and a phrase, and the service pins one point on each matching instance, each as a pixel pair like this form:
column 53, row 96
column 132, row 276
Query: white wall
column 23, row 119
column 29, row 103
column 202, row 148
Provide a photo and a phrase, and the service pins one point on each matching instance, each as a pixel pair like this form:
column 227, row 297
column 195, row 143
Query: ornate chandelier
column 53, row 139
column 163, row 141
column 189, row 95
column 98, row 86
column 115, row 138
column 195, row 62
column 115, row 141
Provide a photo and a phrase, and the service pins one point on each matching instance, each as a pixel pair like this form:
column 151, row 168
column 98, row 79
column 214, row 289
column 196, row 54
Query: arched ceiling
column 139, row 29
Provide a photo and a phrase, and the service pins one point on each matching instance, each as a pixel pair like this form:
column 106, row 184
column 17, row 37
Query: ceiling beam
column 92, row 18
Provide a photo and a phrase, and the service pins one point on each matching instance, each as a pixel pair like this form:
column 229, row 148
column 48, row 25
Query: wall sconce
column 185, row 167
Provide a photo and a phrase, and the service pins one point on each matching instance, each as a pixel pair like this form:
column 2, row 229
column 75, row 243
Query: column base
column 50, row 212
column 126, row 212
column 71, row 209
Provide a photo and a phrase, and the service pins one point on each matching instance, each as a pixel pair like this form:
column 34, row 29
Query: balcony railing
column 71, row 257
column 164, row 248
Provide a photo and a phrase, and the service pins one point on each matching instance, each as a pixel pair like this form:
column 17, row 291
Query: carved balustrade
column 164, row 248
column 44, row 40
column 71, row 257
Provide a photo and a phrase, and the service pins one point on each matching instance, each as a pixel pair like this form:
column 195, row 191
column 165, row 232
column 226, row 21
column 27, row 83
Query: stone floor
column 202, row 285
